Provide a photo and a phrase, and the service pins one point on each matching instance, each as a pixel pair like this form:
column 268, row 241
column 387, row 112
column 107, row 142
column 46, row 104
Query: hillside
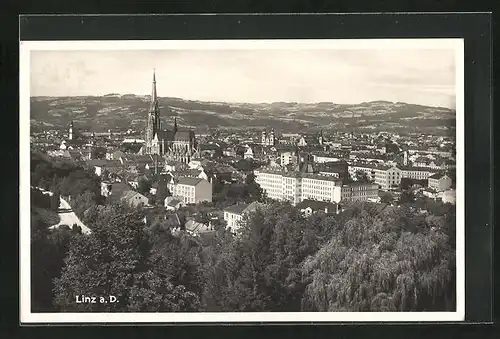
column 129, row 111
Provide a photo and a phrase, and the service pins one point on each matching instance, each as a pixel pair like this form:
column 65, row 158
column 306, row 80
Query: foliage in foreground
column 361, row 260
column 118, row 259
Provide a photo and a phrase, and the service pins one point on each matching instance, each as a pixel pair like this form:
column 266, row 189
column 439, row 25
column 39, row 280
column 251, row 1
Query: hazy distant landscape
column 129, row 111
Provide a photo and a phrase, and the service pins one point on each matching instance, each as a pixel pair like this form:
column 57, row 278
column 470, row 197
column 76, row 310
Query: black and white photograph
column 242, row 180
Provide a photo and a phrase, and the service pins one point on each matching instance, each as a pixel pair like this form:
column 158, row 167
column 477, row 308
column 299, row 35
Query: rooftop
column 236, row 209
column 189, row 181
column 316, row 205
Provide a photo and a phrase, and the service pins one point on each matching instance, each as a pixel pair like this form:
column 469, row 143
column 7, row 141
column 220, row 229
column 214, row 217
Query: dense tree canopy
column 144, row 185
column 389, row 262
column 361, row 261
column 118, row 259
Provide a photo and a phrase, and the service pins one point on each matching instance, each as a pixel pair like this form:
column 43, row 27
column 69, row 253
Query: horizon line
column 237, row 102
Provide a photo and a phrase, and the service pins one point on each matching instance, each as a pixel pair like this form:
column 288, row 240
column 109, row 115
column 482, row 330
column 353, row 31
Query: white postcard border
column 26, row 316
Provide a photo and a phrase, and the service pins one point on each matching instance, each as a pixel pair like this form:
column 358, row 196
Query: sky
column 419, row 76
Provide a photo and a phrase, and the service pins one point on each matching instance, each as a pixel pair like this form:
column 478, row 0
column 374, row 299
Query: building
column 172, row 203
column 100, row 166
column 248, row 153
column 269, row 139
column 386, row 177
column 71, row 130
column 358, row 191
column 448, row 196
column 174, row 144
column 196, row 228
column 338, row 169
column 296, row 186
column 311, row 140
column 320, row 187
column 308, row 207
column 233, row 215
column 417, row 173
column 324, row 158
column 191, row 190
column 287, row 158
column 114, row 190
column 440, row 182
column 134, row 199
column 389, row 177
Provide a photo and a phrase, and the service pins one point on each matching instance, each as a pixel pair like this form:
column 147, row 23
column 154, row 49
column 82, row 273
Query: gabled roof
column 173, row 202
column 189, row 181
column 196, row 227
column 253, row 207
column 187, row 136
column 316, row 205
column 236, row 209
column 437, row 175
column 190, row 173
column 130, row 195
column 96, row 162
column 244, row 208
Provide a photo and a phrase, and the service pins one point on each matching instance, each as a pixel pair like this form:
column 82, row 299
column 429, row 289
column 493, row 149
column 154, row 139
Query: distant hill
column 129, row 111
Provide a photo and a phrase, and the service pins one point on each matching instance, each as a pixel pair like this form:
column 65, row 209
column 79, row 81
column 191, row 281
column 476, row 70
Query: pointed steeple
column 154, row 98
column 175, row 124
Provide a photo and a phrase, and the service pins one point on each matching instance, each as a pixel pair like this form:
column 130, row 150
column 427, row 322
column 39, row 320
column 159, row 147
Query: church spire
column 153, row 92
column 175, row 124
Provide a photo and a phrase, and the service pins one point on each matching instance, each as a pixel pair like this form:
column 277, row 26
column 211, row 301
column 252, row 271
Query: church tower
column 71, row 131
column 153, row 122
column 271, row 141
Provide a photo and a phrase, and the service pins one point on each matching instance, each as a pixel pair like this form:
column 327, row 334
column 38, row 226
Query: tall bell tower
column 153, row 121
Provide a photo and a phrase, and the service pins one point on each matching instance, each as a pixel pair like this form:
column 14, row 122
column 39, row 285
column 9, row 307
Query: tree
column 361, row 176
column 253, row 190
column 55, row 197
column 407, row 197
column 244, row 165
column 381, row 263
column 144, row 186
column 104, row 262
column 162, row 192
column 386, row 198
column 48, row 249
column 38, row 199
column 83, row 202
column 203, row 217
column 259, row 269
column 116, row 259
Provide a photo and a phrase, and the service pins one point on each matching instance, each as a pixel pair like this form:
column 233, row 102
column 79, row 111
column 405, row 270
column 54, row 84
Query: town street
column 68, row 217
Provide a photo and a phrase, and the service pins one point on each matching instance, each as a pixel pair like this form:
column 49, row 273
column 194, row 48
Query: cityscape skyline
column 252, row 76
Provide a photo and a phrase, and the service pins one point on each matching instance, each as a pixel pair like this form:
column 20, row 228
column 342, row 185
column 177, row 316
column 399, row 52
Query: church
column 173, row 144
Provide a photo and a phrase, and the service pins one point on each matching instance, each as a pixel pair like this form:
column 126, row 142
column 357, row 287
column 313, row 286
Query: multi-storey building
column 296, row 187
column 320, row 187
column 390, row 176
column 439, row 182
column 417, row 173
column 233, row 215
column 358, row 191
column 288, row 158
column 385, row 176
column 271, row 181
column 191, row 190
